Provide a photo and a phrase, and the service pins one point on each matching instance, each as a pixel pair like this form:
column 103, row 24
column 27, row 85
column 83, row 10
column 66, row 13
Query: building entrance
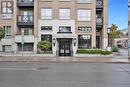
column 65, row 47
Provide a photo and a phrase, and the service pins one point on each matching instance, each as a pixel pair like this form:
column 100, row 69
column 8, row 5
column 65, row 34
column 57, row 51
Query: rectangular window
column 64, row 13
column 65, row 29
column 84, row 1
column 65, row 0
column 27, row 31
column 84, row 41
column 46, row 27
column 84, row 15
column 85, row 29
column 6, row 7
column 7, row 30
column 46, row 13
column 46, row 38
column 26, row 1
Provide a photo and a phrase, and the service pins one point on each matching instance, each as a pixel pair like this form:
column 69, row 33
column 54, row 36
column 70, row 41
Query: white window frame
column 84, row 1
column 46, row 13
column 84, row 14
column 8, row 31
column 64, row 13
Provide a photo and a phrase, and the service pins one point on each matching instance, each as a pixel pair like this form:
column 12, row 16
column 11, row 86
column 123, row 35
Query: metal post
column 22, row 40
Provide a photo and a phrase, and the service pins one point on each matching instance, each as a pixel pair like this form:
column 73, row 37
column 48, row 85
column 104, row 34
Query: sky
column 118, row 13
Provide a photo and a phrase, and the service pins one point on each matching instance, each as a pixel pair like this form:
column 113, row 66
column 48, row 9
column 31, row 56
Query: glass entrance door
column 64, row 49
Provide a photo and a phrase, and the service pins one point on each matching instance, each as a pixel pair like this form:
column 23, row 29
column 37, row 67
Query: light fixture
column 74, row 40
column 54, row 41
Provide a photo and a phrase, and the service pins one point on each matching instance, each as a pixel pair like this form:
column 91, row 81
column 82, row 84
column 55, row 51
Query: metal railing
column 99, row 21
column 99, row 4
column 25, row 18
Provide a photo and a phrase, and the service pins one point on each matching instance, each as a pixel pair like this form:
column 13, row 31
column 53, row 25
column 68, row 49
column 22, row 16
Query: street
column 39, row 74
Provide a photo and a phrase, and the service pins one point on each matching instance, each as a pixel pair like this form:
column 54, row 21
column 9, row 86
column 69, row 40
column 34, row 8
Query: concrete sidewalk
column 122, row 58
column 63, row 59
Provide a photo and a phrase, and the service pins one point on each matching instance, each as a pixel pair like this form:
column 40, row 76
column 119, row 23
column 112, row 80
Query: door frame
column 66, row 44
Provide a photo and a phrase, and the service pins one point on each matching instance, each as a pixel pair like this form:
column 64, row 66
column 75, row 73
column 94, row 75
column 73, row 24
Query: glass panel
column 84, row 41
column 84, row 15
column 46, row 13
column 84, row 1
column 64, row 13
column 64, row 29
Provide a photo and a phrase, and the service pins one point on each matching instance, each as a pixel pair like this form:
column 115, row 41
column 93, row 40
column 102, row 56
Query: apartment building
column 68, row 24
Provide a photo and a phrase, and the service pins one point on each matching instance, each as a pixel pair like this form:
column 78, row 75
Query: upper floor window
column 27, row 31
column 65, row 29
column 7, row 30
column 64, row 13
column 46, row 27
column 7, row 7
column 84, row 15
column 65, row 0
column 25, row 1
column 84, row 1
column 85, row 29
column 46, row 13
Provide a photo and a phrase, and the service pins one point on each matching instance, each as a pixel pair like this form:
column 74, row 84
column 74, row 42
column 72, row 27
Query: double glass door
column 64, row 49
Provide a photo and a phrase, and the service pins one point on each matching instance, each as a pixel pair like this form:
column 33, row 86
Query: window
column 65, row 29
column 25, row 1
column 46, row 27
column 47, row 37
column 85, row 29
column 84, row 15
column 84, row 1
column 27, row 31
column 7, row 31
column 64, row 13
column 65, row 0
column 46, row 13
column 7, row 7
column 84, row 41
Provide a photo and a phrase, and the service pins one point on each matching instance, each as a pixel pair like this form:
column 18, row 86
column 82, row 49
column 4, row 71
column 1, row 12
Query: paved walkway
column 122, row 57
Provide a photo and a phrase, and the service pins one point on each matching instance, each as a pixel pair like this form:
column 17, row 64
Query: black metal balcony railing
column 99, row 4
column 99, row 21
column 129, row 3
column 25, row 20
column 25, row 3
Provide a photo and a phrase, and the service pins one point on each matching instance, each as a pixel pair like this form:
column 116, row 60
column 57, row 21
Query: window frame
column 87, row 17
column 44, row 15
column 66, row 16
column 7, row 7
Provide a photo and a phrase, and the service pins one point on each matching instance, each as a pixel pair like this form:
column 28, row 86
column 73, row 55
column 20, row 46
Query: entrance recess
column 65, row 47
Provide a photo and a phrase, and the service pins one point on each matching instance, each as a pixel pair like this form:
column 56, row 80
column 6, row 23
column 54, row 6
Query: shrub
column 44, row 45
column 115, row 49
column 84, row 51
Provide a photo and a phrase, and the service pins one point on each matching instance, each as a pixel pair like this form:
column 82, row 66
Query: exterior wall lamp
column 74, row 40
column 54, row 41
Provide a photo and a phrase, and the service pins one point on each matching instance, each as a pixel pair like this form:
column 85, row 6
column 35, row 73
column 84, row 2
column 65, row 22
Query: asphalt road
column 64, row 75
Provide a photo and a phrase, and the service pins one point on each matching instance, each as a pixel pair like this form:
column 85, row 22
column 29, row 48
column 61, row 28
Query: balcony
column 129, row 3
column 99, row 4
column 25, row 3
column 25, row 20
column 99, row 22
column 25, row 38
